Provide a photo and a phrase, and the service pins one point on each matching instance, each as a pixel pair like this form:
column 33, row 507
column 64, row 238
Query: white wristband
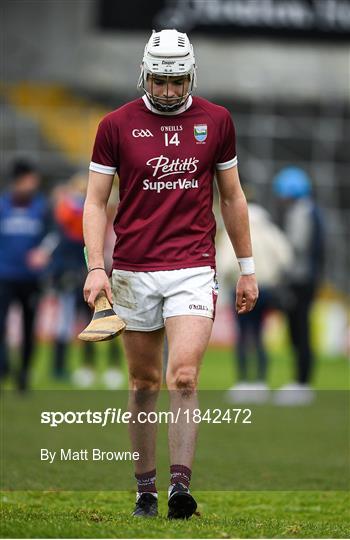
column 246, row 265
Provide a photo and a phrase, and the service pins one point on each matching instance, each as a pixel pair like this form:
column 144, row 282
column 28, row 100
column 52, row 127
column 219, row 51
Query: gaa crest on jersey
column 200, row 132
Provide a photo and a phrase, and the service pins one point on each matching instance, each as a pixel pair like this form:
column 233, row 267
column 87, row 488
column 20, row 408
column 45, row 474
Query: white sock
column 171, row 488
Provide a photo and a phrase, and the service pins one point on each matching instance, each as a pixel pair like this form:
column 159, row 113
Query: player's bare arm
column 94, row 223
column 235, row 215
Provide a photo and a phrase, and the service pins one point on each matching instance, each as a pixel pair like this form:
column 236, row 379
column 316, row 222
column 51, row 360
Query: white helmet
column 168, row 53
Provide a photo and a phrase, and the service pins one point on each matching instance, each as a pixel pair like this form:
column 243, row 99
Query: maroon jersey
column 166, row 164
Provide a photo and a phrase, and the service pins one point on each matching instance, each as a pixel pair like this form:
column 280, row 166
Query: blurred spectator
column 273, row 256
column 24, row 221
column 68, row 270
column 304, row 228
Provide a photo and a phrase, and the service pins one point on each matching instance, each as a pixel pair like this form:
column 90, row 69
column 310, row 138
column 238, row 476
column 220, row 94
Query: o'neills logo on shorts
column 182, row 183
column 198, row 307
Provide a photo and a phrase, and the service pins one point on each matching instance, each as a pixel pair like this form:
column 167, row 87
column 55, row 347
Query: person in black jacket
column 303, row 225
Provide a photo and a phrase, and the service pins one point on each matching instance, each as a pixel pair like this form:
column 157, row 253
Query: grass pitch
column 297, row 514
column 223, row 515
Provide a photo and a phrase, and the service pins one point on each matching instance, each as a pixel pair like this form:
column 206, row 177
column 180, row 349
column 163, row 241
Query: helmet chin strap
column 166, row 108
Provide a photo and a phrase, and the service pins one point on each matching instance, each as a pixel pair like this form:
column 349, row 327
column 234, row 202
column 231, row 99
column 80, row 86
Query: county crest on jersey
column 200, row 132
column 166, row 165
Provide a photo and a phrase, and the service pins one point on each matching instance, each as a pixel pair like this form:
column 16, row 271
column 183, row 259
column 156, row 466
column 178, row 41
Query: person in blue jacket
column 24, row 222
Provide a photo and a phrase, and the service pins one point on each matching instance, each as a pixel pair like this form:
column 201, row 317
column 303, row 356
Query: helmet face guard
column 168, row 57
column 166, row 101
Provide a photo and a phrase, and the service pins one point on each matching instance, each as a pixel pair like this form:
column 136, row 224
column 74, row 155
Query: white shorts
column 146, row 299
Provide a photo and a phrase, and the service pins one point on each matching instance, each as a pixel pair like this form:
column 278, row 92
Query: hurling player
column 166, row 148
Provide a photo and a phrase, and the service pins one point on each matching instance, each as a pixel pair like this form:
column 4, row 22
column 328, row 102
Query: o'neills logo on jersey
column 166, row 167
column 171, row 128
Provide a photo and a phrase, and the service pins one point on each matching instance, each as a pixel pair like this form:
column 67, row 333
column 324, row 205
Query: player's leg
column 189, row 309
column 144, row 356
column 188, row 337
column 139, row 303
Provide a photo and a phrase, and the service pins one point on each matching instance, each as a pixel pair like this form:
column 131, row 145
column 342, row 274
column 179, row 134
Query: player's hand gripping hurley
column 105, row 323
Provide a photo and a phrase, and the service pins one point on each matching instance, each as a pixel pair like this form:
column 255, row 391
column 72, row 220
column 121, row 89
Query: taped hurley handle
column 105, row 323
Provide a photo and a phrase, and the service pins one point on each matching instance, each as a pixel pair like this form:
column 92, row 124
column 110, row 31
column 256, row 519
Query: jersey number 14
column 173, row 140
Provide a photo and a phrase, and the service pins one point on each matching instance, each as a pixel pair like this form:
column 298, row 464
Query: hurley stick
column 105, row 323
